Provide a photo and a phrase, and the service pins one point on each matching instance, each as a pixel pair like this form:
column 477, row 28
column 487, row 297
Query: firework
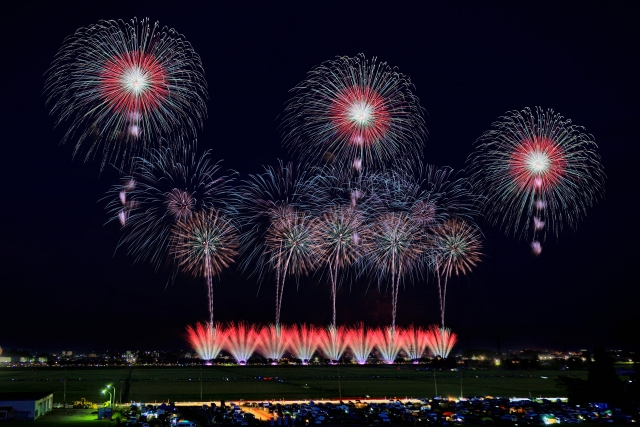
column 333, row 342
column 272, row 344
column 338, row 241
column 389, row 342
column 414, row 342
column 535, row 166
column 394, row 247
column 361, row 343
column 207, row 341
column 440, row 341
column 204, row 245
column 241, row 341
column 281, row 237
column 456, row 248
column 360, row 111
column 303, row 342
column 122, row 85
column 168, row 185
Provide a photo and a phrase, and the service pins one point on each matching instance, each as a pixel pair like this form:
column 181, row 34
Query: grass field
column 149, row 384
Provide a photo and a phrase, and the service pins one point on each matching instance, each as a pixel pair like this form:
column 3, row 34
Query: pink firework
column 207, row 341
column 414, row 342
column 361, row 343
column 440, row 341
column 333, row 342
column 303, row 342
column 389, row 342
column 537, row 164
column 241, row 341
column 272, row 342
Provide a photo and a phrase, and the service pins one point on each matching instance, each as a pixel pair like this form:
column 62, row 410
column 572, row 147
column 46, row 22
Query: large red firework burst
column 122, row 86
column 537, row 163
column 356, row 112
column 536, row 172
column 134, row 82
column 360, row 116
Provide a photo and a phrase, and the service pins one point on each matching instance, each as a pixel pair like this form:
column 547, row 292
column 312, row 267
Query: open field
column 149, row 384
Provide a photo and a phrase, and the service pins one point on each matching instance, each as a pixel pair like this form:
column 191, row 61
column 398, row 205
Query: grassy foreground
column 176, row 384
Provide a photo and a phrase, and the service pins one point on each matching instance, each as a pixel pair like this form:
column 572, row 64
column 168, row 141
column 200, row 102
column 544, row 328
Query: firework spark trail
column 359, row 112
column 389, row 342
column 456, row 247
column 303, row 342
column 205, row 244
column 536, row 171
column 207, row 341
column 241, row 341
column 440, row 341
column 414, row 342
column 272, row 343
column 394, row 246
column 361, row 343
column 165, row 186
column 123, row 85
column 333, row 342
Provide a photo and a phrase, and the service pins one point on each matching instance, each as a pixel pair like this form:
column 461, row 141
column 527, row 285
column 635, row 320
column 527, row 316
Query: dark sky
column 63, row 286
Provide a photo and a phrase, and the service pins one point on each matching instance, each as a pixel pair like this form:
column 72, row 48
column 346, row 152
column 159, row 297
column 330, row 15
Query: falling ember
column 357, row 164
column 356, row 238
column 541, row 205
column 134, row 130
column 130, row 185
column 123, row 197
column 538, row 224
column 122, row 216
column 536, row 247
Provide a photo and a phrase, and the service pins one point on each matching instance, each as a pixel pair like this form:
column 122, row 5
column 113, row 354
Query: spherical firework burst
column 360, row 111
column 204, row 245
column 537, row 171
column 121, row 85
column 394, row 246
column 338, row 238
column 456, row 247
column 168, row 185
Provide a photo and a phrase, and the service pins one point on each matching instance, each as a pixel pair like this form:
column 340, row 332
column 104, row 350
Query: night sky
column 64, row 287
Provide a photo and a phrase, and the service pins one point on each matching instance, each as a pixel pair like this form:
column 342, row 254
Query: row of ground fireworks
column 360, row 202
column 243, row 341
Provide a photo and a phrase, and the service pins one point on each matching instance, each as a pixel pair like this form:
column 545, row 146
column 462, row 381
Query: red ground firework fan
column 356, row 112
column 123, row 85
column 537, row 171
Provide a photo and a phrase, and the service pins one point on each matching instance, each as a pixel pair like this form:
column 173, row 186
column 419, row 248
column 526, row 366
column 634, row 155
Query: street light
column 110, row 395
column 114, row 394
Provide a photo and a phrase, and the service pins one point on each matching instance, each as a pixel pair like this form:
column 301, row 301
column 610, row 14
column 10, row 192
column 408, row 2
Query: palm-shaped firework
column 123, row 85
column 394, row 246
column 537, row 171
column 204, row 245
column 281, row 237
column 338, row 235
column 168, row 185
column 360, row 112
column 456, row 247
